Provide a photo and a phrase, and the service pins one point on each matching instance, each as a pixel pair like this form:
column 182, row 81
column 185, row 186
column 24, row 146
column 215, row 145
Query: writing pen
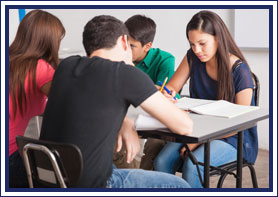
column 166, row 89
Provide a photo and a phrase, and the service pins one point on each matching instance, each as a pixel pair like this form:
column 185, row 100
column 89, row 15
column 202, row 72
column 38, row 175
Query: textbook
column 219, row 108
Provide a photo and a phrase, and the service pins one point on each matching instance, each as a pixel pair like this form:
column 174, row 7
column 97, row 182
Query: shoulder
column 42, row 64
column 162, row 53
column 128, row 69
column 44, row 68
column 242, row 77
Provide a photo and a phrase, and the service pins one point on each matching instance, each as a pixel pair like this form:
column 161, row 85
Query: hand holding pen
column 166, row 89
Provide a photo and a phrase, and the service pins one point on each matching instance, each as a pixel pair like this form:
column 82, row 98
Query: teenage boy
column 158, row 65
column 88, row 102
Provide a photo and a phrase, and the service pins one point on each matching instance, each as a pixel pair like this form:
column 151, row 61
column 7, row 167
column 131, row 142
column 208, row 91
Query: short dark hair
column 141, row 28
column 102, row 32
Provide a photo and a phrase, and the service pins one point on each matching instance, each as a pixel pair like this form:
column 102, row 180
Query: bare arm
column 46, row 88
column 176, row 120
column 180, row 77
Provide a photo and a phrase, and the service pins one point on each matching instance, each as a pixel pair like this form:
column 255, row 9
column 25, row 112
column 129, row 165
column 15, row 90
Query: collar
column 148, row 59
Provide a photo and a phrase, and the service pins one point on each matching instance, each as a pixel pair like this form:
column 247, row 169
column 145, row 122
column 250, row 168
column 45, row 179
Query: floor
column 261, row 165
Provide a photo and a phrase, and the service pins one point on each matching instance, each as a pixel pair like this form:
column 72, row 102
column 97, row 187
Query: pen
column 166, row 89
column 163, row 84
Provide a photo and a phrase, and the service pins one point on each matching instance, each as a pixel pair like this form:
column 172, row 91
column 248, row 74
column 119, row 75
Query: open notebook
column 219, row 108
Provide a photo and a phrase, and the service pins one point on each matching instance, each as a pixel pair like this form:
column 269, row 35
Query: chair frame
column 48, row 164
column 50, row 155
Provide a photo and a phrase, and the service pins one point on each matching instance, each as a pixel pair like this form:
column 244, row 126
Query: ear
column 148, row 46
column 125, row 43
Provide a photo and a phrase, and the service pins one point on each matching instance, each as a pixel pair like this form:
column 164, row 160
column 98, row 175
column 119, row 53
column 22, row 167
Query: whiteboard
column 252, row 28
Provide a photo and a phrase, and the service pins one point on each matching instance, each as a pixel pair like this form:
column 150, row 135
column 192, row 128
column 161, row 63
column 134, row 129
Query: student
column 88, row 102
column 209, row 65
column 33, row 56
column 157, row 64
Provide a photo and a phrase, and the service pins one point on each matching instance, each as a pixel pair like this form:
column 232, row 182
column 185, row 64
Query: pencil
column 163, row 84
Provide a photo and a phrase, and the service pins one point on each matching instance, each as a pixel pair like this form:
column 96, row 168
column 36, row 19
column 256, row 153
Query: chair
column 50, row 164
column 228, row 168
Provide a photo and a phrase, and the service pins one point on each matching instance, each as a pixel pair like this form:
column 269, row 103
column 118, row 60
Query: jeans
column 17, row 172
column 169, row 160
column 137, row 178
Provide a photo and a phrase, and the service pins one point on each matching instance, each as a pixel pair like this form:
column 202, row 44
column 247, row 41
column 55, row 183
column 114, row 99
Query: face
column 138, row 51
column 203, row 45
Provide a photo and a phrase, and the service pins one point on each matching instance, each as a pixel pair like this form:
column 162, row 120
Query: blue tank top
column 202, row 86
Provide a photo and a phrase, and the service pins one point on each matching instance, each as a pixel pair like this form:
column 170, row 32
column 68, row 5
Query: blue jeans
column 169, row 160
column 137, row 178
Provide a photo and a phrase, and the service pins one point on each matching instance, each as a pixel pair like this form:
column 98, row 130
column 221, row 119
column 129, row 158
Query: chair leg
column 221, row 180
column 253, row 175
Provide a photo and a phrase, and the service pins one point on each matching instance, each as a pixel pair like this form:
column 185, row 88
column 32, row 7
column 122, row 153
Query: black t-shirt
column 88, row 101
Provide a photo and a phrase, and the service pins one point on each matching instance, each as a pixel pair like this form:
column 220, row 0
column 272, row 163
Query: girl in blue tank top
column 209, row 64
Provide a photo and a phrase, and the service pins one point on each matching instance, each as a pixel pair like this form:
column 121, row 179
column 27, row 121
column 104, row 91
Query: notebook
column 219, row 108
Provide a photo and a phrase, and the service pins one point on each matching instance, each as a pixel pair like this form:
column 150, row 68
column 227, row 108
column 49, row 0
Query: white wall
column 14, row 22
column 170, row 36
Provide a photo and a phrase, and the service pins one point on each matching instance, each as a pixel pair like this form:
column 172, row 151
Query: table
column 206, row 129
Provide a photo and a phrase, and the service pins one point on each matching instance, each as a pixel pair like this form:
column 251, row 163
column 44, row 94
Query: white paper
column 144, row 122
column 186, row 103
column 223, row 108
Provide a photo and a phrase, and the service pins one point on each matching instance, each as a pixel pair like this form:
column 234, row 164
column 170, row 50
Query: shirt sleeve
column 166, row 69
column 44, row 73
column 242, row 78
column 134, row 85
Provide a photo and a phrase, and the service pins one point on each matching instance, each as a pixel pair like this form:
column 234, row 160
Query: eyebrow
column 202, row 40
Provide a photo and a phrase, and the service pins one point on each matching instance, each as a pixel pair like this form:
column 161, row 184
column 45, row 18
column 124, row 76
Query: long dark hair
column 38, row 37
column 210, row 23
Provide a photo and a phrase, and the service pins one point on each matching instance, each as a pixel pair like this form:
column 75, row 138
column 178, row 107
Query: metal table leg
column 239, row 159
column 206, row 164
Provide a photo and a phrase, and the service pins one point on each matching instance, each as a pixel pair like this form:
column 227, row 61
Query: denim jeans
column 169, row 160
column 137, row 178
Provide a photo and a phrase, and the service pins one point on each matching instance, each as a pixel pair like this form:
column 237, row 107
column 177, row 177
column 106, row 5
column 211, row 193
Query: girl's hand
column 171, row 96
column 192, row 147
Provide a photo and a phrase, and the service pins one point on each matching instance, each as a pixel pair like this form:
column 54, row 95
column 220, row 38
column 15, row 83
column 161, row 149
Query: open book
column 220, row 108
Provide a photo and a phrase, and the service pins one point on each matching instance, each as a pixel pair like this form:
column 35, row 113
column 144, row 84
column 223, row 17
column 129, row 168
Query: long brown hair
column 211, row 23
column 38, row 37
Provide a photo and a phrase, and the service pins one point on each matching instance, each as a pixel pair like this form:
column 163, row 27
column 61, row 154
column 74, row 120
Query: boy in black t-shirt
column 88, row 102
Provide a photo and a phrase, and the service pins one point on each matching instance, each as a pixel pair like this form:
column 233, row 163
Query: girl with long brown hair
column 33, row 57
column 209, row 65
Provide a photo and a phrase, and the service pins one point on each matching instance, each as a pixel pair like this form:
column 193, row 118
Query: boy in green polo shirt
column 158, row 65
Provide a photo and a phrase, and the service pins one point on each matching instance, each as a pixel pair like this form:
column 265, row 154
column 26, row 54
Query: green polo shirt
column 158, row 65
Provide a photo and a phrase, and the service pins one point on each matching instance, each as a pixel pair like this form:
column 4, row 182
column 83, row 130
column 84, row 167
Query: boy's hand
column 130, row 137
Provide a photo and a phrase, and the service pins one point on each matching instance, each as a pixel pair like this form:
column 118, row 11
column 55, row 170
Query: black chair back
column 256, row 89
column 50, row 164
